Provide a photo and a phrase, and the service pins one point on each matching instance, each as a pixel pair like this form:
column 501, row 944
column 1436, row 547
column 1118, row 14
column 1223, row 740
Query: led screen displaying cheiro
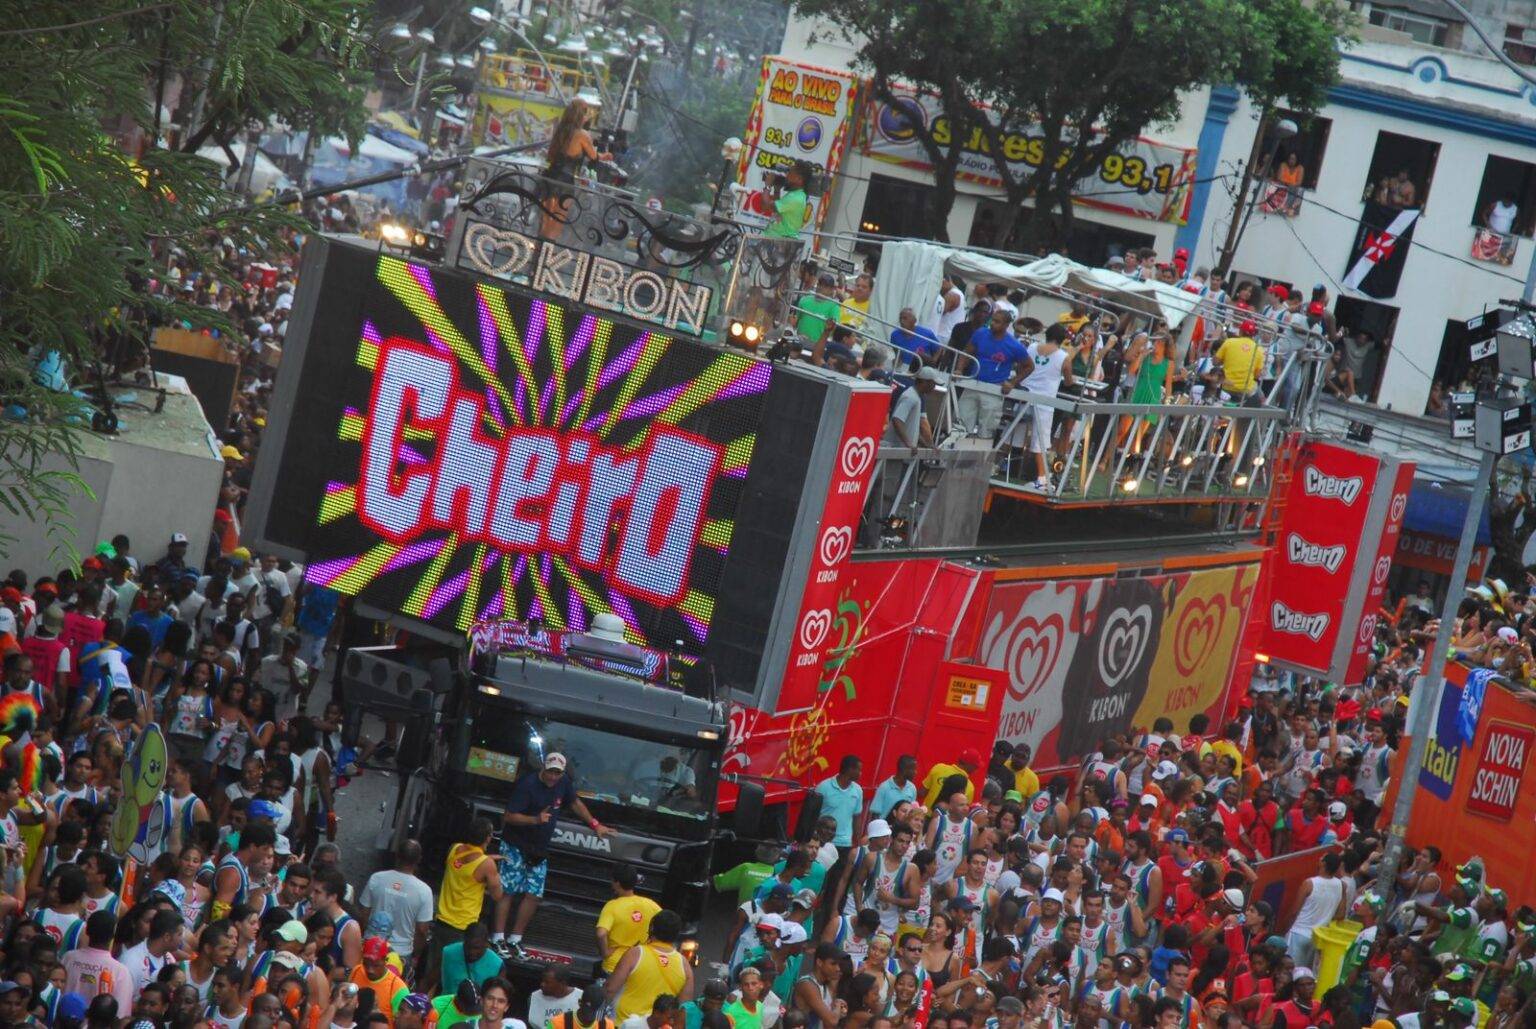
column 498, row 456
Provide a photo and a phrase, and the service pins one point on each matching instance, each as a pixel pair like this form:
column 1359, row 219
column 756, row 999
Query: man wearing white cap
column 1044, row 925
column 528, row 829
column 857, row 886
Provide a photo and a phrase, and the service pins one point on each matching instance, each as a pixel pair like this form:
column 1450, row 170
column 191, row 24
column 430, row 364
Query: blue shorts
column 517, row 876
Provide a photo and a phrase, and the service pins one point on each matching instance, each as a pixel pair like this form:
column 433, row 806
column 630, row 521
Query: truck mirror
column 749, row 807
column 810, row 811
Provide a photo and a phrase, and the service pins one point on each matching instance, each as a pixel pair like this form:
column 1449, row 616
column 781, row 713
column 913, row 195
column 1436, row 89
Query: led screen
column 477, row 453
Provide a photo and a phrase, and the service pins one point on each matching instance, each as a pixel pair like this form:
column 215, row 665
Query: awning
column 1437, row 509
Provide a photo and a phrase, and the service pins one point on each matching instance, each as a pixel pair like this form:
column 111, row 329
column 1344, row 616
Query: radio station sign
column 1500, row 768
column 800, row 113
column 585, row 278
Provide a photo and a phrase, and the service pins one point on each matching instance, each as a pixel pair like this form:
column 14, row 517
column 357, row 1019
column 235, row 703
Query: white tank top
column 950, row 844
column 1320, row 904
column 894, row 883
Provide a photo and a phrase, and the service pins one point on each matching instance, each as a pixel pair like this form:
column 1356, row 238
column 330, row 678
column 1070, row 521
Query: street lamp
column 484, row 18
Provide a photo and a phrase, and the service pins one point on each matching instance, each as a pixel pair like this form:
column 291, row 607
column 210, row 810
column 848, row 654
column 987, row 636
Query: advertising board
column 456, row 451
column 800, row 113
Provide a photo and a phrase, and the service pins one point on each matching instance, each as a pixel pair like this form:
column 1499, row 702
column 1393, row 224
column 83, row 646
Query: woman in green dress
column 1153, row 367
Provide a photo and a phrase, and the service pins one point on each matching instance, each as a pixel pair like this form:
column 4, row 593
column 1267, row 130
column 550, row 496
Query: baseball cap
column 1459, row 973
column 72, row 1006
column 262, row 809
column 960, row 902
column 417, row 1002
column 10, row 594
column 293, row 931
column 554, row 762
column 878, row 829
column 1165, row 770
column 1337, row 810
column 1440, row 997
column 172, row 891
column 230, row 452
column 1508, row 634
column 968, row 756
column 1233, row 896
column 288, row 960
column 1465, row 1007
column 10, row 986
column 769, row 920
column 1499, row 897
column 1178, row 836
column 792, row 934
column 781, row 891
column 806, row 898
column 1303, row 973
column 375, row 948
column 179, row 537
column 1372, row 901
column 1148, row 798
column 242, row 554
column 1054, row 894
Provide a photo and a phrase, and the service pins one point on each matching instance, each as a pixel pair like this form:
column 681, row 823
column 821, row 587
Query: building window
column 893, row 207
column 1520, row 43
column 1366, row 328
column 1422, row 28
column 1302, row 154
column 1401, row 170
column 1506, row 202
column 1090, row 242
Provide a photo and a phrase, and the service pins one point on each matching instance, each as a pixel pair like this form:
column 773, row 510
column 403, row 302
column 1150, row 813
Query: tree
column 86, row 223
column 1046, row 69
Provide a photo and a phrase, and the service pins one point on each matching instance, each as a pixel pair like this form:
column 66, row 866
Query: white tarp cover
column 912, row 268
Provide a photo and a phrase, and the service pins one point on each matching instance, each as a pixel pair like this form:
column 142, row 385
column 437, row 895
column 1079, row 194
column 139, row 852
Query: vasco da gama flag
column 1380, row 249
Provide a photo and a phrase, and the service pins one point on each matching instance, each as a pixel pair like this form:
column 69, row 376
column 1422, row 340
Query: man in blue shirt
column 897, row 788
column 842, row 799
column 528, row 829
column 1001, row 361
column 916, row 344
column 152, row 617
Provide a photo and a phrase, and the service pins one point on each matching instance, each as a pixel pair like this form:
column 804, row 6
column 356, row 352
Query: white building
column 1464, row 127
column 1416, row 93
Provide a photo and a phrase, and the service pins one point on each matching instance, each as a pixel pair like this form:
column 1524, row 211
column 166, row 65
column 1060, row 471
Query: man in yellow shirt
column 965, row 765
column 1241, row 359
column 1024, row 778
column 626, row 919
column 1228, row 745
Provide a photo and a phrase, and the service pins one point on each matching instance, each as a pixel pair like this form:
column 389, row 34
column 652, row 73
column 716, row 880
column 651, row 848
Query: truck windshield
column 622, row 778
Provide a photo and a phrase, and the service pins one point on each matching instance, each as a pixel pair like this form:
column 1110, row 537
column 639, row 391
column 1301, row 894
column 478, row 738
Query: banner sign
column 1337, row 538
column 1089, row 658
column 586, row 278
column 1436, row 554
column 1145, row 179
column 813, row 636
column 800, row 113
column 499, row 456
column 1380, row 567
column 1380, row 249
column 1442, row 751
column 1500, row 767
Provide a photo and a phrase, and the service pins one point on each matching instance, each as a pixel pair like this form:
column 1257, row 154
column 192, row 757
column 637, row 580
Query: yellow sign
column 513, row 120
column 1198, row 642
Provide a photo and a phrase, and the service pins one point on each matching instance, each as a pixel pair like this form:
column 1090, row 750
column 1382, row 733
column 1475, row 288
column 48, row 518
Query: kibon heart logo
column 858, row 454
column 1122, row 642
column 1399, row 505
column 1382, row 570
column 1196, row 634
column 1033, row 650
column 836, row 542
column 813, row 628
column 482, row 243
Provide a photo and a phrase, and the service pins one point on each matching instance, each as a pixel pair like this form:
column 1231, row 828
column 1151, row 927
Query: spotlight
column 1258, row 462
column 1240, row 481
column 752, row 334
column 1186, row 460
column 1130, row 485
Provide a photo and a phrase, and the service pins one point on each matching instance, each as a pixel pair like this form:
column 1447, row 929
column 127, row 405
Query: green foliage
column 80, row 218
column 1120, row 66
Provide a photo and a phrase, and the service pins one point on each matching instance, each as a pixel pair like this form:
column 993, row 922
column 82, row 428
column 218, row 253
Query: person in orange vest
column 373, row 973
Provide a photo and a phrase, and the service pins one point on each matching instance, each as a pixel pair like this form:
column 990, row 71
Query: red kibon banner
column 813, row 626
column 1343, row 514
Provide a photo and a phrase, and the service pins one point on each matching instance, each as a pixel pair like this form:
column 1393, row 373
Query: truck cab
column 643, row 741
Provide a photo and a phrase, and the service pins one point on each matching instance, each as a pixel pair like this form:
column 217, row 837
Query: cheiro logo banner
column 1332, row 487
column 1304, row 552
column 1283, row 619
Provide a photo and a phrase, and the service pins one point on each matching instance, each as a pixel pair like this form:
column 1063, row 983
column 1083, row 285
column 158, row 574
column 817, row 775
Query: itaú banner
column 1145, row 178
column 1338, row 536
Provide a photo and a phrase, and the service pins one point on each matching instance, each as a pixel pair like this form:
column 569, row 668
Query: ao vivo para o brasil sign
column 1500, row 768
